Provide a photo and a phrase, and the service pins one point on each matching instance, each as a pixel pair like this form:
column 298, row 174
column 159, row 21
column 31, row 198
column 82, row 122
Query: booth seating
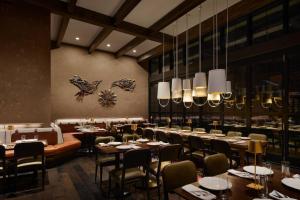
column 68, row 125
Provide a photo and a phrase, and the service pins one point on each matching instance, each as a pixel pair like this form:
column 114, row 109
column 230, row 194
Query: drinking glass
column 224, row 194
column 125, row 140
column 23, row 137
column 285, row 168
column 154, row 137
column 268, row 166
column 111, row 139
column 263, row 181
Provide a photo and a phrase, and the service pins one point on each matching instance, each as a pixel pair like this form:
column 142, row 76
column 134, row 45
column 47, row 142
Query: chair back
column 29, row 149
column 178, row 174
column 215, row 131
column 137, row 158
column 139, row 131
column 103, row 139
column 199, row 129
column 148, row 133
column 220, row 146
column 256, row 136
column 215, row 164
column 126, row 128
column 162, row 136
column 234, row 134
column 175, row 138
column 187, row 128
column 196, row 143
column 169, row 153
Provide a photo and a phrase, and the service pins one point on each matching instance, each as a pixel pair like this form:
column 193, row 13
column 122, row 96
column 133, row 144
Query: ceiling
column 144, row 14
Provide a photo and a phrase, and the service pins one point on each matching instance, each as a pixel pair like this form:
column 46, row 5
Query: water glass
column 285, row 168
column 154, row 137
column 263, row 181
column 23, row 137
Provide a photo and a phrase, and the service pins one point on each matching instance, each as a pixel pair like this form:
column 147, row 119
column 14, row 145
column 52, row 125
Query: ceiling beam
column 95, row 18
column 236, row 11
column 64, row 23
column 166, row 20
column 125, row 9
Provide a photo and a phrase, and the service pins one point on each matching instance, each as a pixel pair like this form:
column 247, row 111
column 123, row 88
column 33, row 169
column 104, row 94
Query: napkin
column 241, row 174
column 277, row 195
column 296, row 176
column 197, row 192
column 163, row 143
column 241, row 142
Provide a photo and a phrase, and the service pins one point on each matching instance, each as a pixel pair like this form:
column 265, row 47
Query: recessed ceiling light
column 77, row 38
column 108, row 45
column 134, row 51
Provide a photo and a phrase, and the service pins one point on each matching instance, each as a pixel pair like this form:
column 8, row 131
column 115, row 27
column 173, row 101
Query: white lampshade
column 187, row 84
column 199, row 81
column 177, row 94
column 199, row 92
column 163, row 91
column 187, row 96
column 176, row 84
column 213, row 97
column 228, row 87
column 216, row 81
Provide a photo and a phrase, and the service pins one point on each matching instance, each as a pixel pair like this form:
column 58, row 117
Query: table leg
column 117, row 156
column 242, row 157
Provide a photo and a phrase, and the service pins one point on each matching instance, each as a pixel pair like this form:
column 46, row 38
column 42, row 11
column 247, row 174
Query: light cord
column 187, row 47
column 217, row 39
column 226, row 46
column 200, row 40
column 163, row 57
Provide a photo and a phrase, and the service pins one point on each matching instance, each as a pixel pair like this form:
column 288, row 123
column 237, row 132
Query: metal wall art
column 84, row 86
column 107, row 98
column 124, row 84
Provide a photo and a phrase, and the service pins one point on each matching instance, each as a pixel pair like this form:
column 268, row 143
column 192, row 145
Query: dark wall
column 24, row 63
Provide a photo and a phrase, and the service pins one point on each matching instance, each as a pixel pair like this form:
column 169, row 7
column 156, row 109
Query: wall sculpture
column 107, row 98
column 124, row 84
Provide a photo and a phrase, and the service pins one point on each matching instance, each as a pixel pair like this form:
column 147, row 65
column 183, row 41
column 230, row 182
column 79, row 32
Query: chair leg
column 43, row 178
column 15, row 179
column 101, row 174
column 158, row 187
column 109, row 187
column 96, row 173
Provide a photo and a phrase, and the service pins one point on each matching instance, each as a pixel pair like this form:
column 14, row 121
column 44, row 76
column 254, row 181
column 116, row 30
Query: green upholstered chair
column 129, row 136
column 177, row 175
column 234, row 134
column 131, row 171
column 199, row 129
column 166, row 155
column 161, row 136
column 101, row 160
column 148, row 133
column 186, row 128
column 215, row 131
column 215, row 164
column 197, row 147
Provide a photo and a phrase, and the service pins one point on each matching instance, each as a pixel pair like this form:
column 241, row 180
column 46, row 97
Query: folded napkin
column 296, row 176
column 197, row 192
column 277, row 195
column 241, row 174
column 163, row 143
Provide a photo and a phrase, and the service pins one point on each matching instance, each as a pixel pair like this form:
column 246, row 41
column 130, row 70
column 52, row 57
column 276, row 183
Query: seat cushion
column 27, row 162
column 106, row 160
column 154, row 165
column 131, row 173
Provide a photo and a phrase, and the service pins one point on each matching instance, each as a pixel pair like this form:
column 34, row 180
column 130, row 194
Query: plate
column 245, row 138
column 142, row 140
column 259, row 170
column 114, row 143
column 291, row 182
column 231, row 140
column 123, row 147
column 215, row 183
column 153, row 143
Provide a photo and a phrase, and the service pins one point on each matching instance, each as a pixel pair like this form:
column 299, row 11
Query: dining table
column 239, row 189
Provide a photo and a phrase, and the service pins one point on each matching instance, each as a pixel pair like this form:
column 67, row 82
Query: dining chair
column 175, row 126
column 101, row 160
column 139, row 131
column 199, row 129
column 197, row 148
column 175, row 138
column 215, row 164
column 220, row 146
column 256, row 136
column 186, row 128
column 148, row 133
column 3, row 166
column 215, row 131
column 177, row 175
column 162, row 136
column 234, row 134
column 131, row 171
column 28, row 157
column 166, row 155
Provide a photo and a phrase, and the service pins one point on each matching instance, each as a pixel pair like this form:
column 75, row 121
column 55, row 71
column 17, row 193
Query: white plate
column 259, row 170
column 153, row 143
column 114, row 143
column 245, row 138
column 291, row 182
column 142, row 140
column 123, row 147
column 215, row 183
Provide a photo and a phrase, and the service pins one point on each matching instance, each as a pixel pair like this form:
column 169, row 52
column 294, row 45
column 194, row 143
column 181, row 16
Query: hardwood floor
column 75, row 180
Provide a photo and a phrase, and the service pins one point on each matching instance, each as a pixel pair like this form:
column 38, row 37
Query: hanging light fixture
column 187, row 89
column 266, row 97
column 216, row 77
column 163, row 92
column 228, row 93
column 176, row 82
column 199, row 82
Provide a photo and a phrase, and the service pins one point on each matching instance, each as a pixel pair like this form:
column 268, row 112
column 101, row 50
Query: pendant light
column 228, row 93
column 163, row 92
column 216, row 77
column 176, row 82
column 187, row 89
column 199, row 82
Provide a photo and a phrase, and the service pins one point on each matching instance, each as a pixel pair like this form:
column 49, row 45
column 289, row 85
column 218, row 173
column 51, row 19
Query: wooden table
column 239, row 190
